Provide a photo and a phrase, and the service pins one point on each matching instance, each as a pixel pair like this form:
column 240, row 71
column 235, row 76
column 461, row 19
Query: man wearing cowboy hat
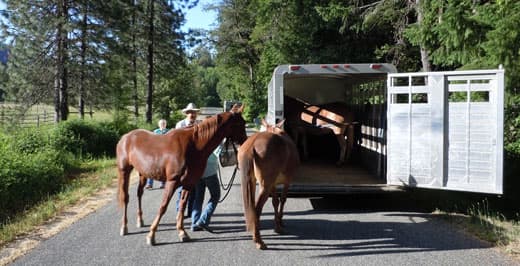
column 191, row 112
column 200, row 218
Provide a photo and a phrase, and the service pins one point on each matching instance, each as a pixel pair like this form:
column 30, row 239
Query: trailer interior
column 365, row 171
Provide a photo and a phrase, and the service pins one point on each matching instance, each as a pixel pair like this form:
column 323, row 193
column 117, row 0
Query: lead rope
column 227, row 187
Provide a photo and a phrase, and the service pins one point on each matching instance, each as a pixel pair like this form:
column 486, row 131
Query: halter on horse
column 270, row 158
column 178, row 157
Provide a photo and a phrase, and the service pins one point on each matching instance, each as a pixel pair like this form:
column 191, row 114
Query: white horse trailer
column 439, row 130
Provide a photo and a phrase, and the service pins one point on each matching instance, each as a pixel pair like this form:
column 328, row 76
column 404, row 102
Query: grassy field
column 43, row 114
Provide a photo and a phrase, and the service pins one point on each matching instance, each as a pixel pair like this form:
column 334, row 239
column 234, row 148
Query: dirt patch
column 23, row 244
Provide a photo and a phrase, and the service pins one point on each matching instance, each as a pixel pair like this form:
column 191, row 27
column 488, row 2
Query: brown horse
column 270, row 158
column 178, row 157
column 304, row 118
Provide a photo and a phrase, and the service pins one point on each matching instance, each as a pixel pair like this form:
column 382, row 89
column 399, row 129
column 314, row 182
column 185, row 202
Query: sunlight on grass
column 489, row 226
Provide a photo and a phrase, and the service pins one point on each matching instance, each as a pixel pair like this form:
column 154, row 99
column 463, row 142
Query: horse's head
column 276, row 129
column 238, row 125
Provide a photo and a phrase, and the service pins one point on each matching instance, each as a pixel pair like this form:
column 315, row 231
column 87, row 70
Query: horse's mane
column 207, row 128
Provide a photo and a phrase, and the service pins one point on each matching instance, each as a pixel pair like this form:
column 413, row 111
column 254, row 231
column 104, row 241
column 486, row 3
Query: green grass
column 488, row 225
column 90, row 177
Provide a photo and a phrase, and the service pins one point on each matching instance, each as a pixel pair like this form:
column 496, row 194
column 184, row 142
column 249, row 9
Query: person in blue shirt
column 160, row 131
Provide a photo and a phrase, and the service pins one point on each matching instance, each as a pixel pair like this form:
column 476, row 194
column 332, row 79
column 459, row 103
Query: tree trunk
column 57, row 93
column 149, row 95
column 61, row 99
column 134, row 65
column 425, row 59
column 81, row 100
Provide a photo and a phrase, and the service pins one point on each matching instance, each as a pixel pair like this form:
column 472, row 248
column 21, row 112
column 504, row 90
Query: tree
column 238, row 57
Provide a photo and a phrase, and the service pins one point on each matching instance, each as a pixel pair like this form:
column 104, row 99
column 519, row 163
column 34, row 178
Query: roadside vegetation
column 84, row 181
column 488, row 225
column 45, row 169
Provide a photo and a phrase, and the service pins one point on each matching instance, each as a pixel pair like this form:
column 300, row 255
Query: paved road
column 315, row 235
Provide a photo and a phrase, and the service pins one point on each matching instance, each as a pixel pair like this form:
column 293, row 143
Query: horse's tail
column 123, row 184
column 248, row 188
column 123, row 170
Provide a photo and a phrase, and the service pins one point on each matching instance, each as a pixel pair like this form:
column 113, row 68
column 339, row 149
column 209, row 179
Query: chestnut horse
column 178, row 157
column 304, row 118
column 270, row 158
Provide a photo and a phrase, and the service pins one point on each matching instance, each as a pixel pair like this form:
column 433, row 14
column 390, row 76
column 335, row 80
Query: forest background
column 132, row 58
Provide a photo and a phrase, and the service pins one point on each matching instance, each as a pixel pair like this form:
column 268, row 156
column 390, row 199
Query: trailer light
column 335, row 66
column 323, row 66
column 346, row 65
column 294, row 68
column 375, row 66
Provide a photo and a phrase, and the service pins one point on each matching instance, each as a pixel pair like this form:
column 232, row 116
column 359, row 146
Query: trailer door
column 445, row 130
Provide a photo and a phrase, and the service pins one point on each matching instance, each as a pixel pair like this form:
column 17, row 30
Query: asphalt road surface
column 316, row 234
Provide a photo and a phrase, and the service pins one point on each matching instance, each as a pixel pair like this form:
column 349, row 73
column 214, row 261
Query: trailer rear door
column 445, row 130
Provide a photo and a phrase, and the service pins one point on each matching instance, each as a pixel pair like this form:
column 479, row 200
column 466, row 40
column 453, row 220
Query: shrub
column 86, row 138
column 26, row 178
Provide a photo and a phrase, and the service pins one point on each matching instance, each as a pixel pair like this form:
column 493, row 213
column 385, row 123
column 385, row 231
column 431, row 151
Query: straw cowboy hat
column 190, row 107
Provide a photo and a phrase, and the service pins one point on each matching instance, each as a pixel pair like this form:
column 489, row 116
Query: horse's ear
column 280, row 124
column 237, row 109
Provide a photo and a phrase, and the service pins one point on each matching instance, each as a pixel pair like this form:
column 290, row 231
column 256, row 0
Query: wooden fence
column 36, row 116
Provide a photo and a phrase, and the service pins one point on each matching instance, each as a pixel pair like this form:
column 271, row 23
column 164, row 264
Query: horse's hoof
column 279, row 230
column 261, row 246
column 150, row 241
column 124, row 231
column 184, row 237
column 139, row 223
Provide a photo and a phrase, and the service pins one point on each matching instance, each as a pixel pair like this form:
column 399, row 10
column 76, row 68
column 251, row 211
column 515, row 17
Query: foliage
column 86, row 138
column 91, row 51
column 94, row 176
column 25, row 178
column 512, row 127
column 34, row 161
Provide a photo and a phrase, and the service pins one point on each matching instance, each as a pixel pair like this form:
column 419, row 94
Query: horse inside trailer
column 364, row 94
column 404, row 123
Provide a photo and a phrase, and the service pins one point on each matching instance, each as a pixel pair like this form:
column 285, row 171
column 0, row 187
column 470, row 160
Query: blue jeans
column 189, row 204
column 199, row 216
column 149, row 182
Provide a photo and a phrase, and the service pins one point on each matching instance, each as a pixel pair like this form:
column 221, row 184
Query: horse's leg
column 140, row 190
column 263, row 194
column 342, row 147
column 350, row 140
column 303, row 134
column 283, row 199
column 124, row 181
column 183, row 236
column 167, row 196
column 277, row 216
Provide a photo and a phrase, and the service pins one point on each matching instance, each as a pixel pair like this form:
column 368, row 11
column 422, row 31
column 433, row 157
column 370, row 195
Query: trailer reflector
column 375, row 66
column 294, row 68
